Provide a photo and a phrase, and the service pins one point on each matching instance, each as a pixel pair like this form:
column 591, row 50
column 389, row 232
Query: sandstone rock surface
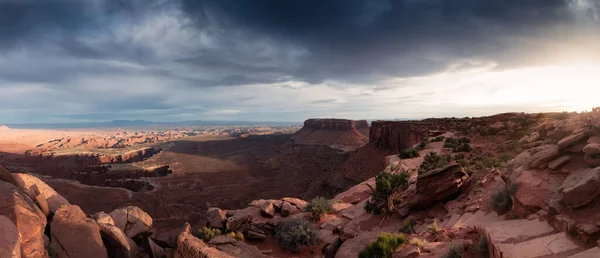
column 33, row 186
column 580, row 188
column 215, row 217
column 116, row 242
column 545, row 154
column 189, row 246
column 26, row 215
column 438, row 185
column 10, row 240
column 76, row 235
column 132, row 220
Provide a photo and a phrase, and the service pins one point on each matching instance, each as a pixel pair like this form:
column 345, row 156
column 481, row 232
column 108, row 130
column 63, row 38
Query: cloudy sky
column 287, row 60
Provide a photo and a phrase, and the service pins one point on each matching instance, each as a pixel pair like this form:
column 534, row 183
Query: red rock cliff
column 330, row 124
column 395, row 135
column 335, row 133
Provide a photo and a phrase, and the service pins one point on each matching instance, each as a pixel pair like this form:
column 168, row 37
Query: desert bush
column 386, row 184
column 207, row 233
column 432, row 161
column 458, row 144
column 464, row 147
column 459, row 156
column 418, row 242
column 422, row 144
column 463, row 163
column 292, row 235
column 319, row 206
column 455, row 251
column 482, row 247
column 409, row 153
column 501, row 200
column 236, row 235
column 407, row 226
column 384, row 246
column 433, row 228
column 438, row 139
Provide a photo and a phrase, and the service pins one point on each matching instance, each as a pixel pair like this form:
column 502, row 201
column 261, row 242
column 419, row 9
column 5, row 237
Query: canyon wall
column 330, row 124
column 395, row 135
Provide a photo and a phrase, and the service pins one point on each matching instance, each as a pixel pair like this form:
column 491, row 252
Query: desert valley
column 483, row 186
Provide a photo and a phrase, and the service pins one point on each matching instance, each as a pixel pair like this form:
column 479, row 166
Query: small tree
column 386, row 185
column 292, row 235
column 432, row 161
column 384, row 246
column 319, row 206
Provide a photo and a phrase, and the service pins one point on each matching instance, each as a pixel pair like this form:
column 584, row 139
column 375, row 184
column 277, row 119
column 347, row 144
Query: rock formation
column 335, row 133
column 395, row 135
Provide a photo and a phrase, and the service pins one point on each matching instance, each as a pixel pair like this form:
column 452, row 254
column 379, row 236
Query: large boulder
column 117, row 243
column 76, row 235
column 267, row 209
column 35, row 187
column 580, row 188
column 299, row 203
column 592, row 159
column 592, row 148
column 168, row 238
column 439, row 184
column 132, row 220
column 544, row 155
column 26, row 215
column 10, row 240
column 189, row 246
column 571, row 139
column 102, row 217
column 534, row 188
column 238, row 219
column 215, row 217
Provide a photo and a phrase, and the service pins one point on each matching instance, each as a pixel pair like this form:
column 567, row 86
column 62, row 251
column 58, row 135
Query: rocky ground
column 527, row 186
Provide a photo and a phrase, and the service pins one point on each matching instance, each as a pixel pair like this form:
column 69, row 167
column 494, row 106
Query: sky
column 64, row 61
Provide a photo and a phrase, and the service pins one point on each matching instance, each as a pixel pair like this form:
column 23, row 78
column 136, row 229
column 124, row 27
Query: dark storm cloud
column 361, row 41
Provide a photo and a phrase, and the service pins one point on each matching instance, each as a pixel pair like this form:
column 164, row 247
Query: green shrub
column 409, row 153
column 407, row 226
column 386, row 184
column 384, row 246
column 463, row 147
column 236, row 235
column 319, row 206
column 438, row 139
column 482, row 247
column 459, row 156
column 455, row 251
column 422, row 144
column 418, row 242
column 207, row 233
column 432, row 161
column 433, row 228
column 292, row 235
column 463, row 163
column 501, row 200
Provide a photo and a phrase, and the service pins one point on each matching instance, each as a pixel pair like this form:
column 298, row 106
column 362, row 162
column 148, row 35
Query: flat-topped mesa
column 395, row 135
column 330, row 124
column 335, row 133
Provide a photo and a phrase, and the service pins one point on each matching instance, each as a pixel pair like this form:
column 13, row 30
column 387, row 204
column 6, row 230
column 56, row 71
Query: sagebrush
column 433, row 161
column 294, row 234
column 384, row 246
column 319, row 206
column 386, row 184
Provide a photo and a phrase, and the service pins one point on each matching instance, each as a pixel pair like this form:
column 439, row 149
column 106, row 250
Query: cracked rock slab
column 132, row 220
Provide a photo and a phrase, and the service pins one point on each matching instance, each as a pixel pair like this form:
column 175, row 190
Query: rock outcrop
column 76, row 235
column 132, row 220
column 394, row 135
column 335, row 133
column 116, row 242
column 36, row 189
column 581, row 188
column 438, row 185
column 10, row 239
column 28, row 218
column 189, row 246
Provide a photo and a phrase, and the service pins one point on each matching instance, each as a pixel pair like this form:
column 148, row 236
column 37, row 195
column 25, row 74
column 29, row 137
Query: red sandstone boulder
column 189, row 246
column 571, row 139
column 132, row 220
column 168, row 238
column 592, row 148
column 28, row 218
column 10, row 240
column 299, row 203
column 438, row 185
column 76, row 235
column 117, row 243
column 580, row 188
column 215, row 217
column 544, row 155
column 102, row 217
column 34, row 187
column 267, row 209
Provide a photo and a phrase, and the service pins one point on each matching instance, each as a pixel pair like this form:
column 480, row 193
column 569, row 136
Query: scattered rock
column 592, row 159
column 545, row 154
column 580, row 188
column 169, row 237
column 557, row 163
column 299, row 203
column 117, row 244
column 222, row 239
column 34, row 187
column 588, row 231
column 132, row 220
column 267, row 209
column 102, row 217
column 189, row 246
column 438, row 185
column 409, row 251
column 592, row 148
column 571, row 139
column 237, row 220
column 256, row 233
column 594, row 139
column 26, row 215
column 76, row 235
column 215, row 217
column 10, row 240
column 155, row 250
column 286, row 209
column 329, row 249
column 564, row 223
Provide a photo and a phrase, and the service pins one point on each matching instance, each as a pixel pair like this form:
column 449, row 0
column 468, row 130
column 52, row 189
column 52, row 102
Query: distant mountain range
column 140, row 123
